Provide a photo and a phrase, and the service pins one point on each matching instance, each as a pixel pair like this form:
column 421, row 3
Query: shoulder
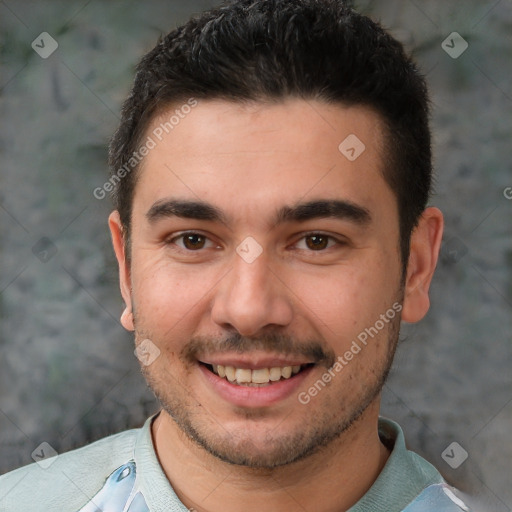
column 407, row 482
column 439, row 497
column 69, row 478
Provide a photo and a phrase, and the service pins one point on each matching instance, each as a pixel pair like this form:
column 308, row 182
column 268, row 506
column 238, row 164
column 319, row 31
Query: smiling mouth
column 257, row 378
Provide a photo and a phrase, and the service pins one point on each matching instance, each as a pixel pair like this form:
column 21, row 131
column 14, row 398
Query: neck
column 331, row 480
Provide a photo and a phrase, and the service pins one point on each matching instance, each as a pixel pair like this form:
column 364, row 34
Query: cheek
column 165, row 293
column 342, row 302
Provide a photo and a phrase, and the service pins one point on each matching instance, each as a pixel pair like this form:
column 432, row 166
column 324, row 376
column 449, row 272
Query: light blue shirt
column 121, row 473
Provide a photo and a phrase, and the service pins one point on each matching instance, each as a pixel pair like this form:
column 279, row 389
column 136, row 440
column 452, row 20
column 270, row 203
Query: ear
column 116, row 230
column 424, row 252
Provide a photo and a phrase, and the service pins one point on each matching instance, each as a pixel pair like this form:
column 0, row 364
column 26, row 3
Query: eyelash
column 172, row 240
column 182, row 235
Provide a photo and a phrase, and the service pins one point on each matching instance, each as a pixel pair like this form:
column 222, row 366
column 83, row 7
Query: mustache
column 277, row 343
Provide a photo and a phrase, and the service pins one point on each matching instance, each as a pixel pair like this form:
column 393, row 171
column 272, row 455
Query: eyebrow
column 185, row 209
column 300, row 212
column 331, row 208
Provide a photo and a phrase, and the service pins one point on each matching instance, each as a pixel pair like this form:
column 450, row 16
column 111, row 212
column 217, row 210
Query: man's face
column 254, row 290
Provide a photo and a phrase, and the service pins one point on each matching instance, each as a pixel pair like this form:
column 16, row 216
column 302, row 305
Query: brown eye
column 193, row 241
column 317, row 242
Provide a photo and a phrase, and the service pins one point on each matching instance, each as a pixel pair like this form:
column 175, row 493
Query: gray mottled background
column 68, row 375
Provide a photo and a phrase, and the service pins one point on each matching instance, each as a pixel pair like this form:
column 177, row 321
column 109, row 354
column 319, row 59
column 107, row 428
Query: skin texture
column 249, row 161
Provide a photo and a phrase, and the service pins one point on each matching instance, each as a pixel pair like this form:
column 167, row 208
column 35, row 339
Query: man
column 272, row 170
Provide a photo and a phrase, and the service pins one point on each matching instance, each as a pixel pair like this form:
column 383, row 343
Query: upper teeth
column 259, row 376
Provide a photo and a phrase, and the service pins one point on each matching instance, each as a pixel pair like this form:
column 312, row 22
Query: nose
column 251, row 297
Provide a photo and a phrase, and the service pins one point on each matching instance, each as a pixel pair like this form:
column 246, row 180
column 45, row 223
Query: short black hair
column 271, row 50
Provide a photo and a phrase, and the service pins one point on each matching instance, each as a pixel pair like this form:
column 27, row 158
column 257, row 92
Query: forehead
column 249, row 155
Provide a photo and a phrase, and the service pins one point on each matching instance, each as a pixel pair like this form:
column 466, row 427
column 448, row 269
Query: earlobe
column 116, row 231
column 127, row 319
column 424, row 252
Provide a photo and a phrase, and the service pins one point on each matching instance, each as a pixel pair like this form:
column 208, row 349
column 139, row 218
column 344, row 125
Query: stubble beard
column 316, row 431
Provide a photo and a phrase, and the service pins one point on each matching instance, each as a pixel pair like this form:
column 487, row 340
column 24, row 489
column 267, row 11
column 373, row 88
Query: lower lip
column 254, row 396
